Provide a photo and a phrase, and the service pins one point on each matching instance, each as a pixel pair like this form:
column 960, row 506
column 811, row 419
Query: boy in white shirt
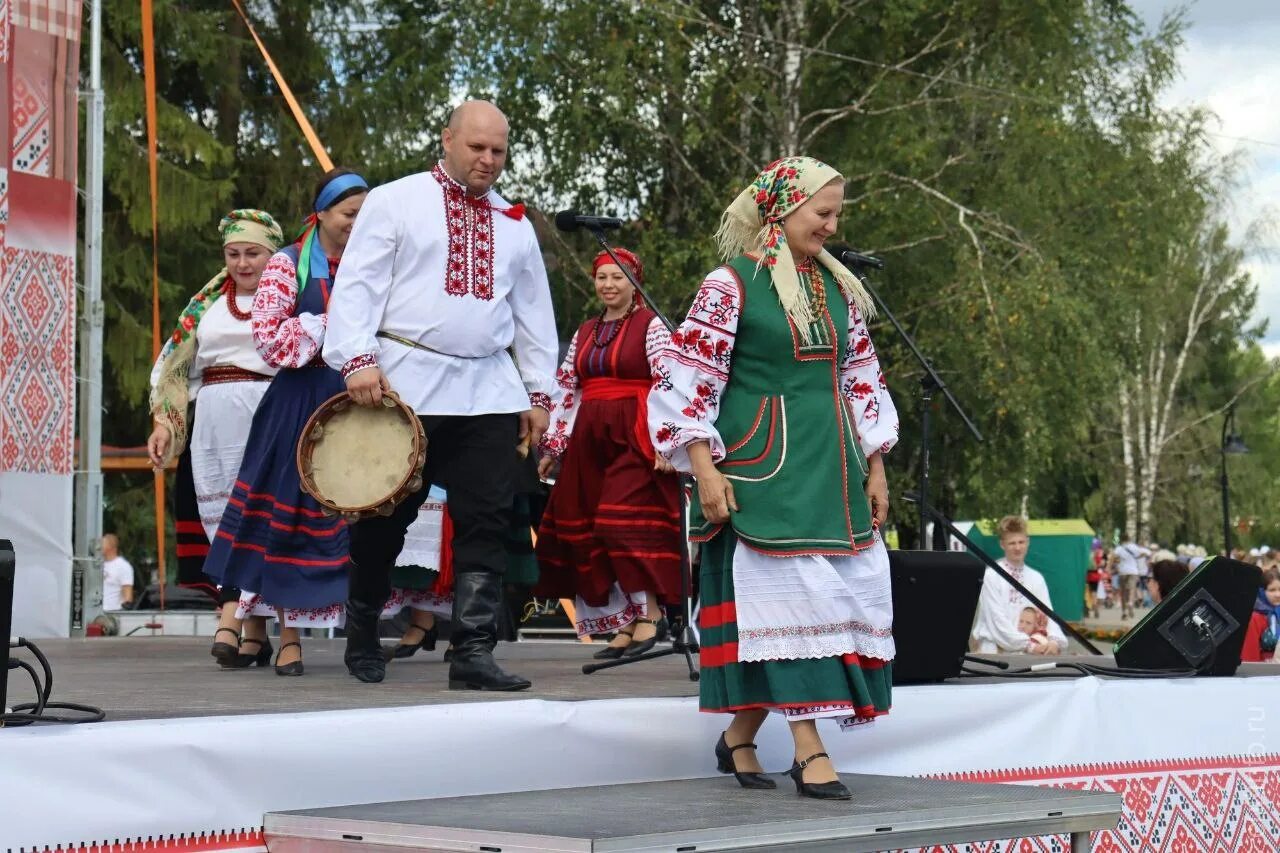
column 1000, row 607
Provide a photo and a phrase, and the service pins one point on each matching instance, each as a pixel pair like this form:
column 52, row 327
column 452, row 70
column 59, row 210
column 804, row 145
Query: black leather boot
column 366, row 596
column 477, row 599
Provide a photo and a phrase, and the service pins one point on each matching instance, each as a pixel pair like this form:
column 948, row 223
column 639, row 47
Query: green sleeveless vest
column 794, row 459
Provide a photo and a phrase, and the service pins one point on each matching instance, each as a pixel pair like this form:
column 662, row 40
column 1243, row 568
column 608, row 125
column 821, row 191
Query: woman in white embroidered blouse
column 211, row 358
column 772, row 388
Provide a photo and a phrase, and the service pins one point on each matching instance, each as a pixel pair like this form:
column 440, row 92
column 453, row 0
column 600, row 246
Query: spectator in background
column 1035, row 625
column 117, row 575
column 995, row 629
column 1165, row 575
column 1159, row 554
column 1093, row 578
column 1264, row 623
column 1103, row 595
column 1130, row 564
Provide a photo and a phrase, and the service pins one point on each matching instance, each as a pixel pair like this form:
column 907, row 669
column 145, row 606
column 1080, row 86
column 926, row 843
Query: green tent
column 1061, row 550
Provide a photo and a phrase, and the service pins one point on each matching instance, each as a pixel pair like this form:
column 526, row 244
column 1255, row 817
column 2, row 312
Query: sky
column 1230, row 64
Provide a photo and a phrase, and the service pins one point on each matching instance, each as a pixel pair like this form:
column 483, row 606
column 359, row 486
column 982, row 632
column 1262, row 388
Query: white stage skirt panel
column 35, row 514
column 76, row 785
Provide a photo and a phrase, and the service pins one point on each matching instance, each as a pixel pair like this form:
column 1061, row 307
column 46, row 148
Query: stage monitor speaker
column 935, row 595
column 7, row 570
column 1200, row 625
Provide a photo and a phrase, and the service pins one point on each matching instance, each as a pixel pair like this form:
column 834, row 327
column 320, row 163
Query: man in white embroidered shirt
column 440, row 277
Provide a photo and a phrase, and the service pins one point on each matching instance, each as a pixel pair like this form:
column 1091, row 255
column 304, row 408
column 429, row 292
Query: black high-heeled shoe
column 724, row 763
column 818, row 790
column 261, row 657
column 294, row 668
column 428, row 643
column 223, row 652
column 639, row 647
column 614, row 652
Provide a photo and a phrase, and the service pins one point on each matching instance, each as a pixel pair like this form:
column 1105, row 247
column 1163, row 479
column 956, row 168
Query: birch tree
column 1203, row 284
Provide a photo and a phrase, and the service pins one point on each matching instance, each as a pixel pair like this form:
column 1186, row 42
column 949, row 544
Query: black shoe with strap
column 294, row 668
column 724, row 763
column 407, row 650
column 223, row 652
column 818, row 790
column 242, row 660
column 612, row 652
column 639, row 647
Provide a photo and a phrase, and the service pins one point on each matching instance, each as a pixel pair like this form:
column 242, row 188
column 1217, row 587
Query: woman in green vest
column 771, row 395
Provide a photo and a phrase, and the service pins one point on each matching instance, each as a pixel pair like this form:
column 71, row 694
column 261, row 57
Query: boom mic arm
column 571, row 220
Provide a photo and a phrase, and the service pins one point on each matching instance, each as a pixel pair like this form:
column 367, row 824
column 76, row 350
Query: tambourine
column 361, row 461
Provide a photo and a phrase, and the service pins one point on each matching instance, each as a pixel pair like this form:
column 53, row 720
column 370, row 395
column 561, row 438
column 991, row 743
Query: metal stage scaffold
column 697, row 815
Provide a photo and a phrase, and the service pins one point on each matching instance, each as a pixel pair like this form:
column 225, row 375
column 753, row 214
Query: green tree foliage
column 1044, row 220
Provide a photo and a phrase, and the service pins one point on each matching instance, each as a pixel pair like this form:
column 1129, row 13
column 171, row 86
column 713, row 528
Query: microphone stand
column 683, row 640
column 930, row 384
column 939, row 518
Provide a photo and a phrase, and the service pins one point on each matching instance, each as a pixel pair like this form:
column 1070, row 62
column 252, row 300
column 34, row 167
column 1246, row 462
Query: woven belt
column 221, row 373
column 408, row 343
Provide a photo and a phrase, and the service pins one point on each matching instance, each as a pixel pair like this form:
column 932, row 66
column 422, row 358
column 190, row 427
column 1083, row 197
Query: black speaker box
column 1200, row 625
column 935, row 595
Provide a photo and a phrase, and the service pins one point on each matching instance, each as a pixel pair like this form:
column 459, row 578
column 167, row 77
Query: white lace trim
column 811, row 647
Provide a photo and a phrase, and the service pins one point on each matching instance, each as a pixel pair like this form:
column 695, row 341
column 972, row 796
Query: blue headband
column 337, row 187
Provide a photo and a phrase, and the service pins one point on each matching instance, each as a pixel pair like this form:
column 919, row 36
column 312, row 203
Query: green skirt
column 522, row 565
column 846, row 686
column 415, row 578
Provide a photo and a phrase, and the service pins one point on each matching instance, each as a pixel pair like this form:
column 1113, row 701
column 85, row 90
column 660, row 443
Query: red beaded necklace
column 229, row 291
column 615, row 326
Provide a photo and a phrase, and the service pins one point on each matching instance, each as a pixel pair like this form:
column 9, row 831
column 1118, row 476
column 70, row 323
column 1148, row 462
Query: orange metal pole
column 153, row 166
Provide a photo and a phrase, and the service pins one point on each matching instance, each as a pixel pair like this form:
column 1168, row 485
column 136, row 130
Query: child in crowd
column 1260, row 637
column 1035, row 625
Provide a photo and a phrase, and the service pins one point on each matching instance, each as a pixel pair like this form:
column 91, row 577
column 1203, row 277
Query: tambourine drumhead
column 359, row 460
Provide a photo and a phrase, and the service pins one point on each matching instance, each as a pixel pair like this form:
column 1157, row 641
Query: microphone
column 571, row 220
column 850, row 258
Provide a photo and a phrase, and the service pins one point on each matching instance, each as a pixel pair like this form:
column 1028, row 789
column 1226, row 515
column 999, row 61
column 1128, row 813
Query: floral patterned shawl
column 170, row 393
column 753, row 223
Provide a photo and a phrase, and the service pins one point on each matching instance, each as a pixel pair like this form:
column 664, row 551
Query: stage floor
column 166, row 677
column 162, row 677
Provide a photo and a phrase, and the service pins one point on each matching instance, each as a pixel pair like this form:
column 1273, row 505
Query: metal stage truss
column 699, row 816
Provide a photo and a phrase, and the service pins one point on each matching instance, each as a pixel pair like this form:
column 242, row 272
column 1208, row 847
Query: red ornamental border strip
column 222, row 841
column 1067, row 771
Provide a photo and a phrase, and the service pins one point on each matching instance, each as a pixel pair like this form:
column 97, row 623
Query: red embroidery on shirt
column 360, row 362
column 280, row 337
column 469, row 221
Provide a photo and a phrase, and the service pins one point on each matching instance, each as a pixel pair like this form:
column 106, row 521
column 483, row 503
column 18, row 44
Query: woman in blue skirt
column 275, row 544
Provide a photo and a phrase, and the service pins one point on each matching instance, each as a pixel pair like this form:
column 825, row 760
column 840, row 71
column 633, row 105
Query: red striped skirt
column 611, row 517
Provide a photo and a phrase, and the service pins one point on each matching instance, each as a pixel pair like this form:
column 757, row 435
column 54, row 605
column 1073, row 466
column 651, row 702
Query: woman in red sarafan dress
column 611, row 534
